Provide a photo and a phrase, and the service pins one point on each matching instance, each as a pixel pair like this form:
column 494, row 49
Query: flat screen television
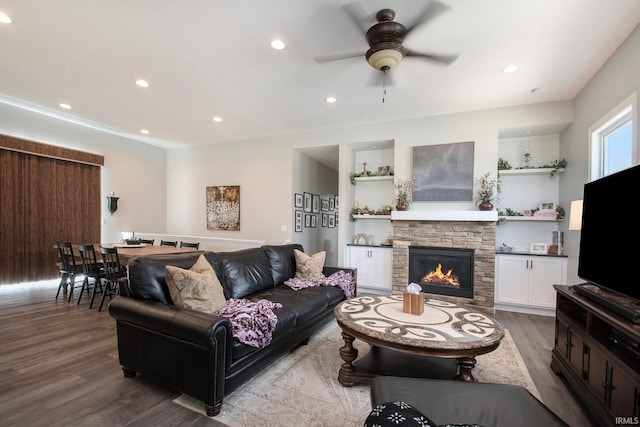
column 609, row 236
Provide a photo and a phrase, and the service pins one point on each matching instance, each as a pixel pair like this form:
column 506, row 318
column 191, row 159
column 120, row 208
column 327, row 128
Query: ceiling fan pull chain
column 384, row 83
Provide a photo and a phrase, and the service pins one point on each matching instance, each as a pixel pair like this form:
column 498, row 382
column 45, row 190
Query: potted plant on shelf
column 403, row 189
column 487, row 193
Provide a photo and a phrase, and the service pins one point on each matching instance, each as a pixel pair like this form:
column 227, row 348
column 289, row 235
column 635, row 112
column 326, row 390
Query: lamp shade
column 575, row 215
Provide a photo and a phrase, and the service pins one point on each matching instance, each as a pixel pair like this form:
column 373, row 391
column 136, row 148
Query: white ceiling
column 210, row 57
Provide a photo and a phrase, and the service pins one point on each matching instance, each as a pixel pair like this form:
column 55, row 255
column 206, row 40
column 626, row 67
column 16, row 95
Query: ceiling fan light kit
column 387, row 56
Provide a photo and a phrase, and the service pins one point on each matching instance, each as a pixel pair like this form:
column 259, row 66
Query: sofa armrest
column 188, row 325
column 328, row 270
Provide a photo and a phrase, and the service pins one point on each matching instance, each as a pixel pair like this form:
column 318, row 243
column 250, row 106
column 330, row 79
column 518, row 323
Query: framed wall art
column 223, row 207
column 324, row 205
column 307, row 202
column 298, row 221
column 332, row 221
column 325, row 220
column 443, row 172
column 315, row 204
column 538, row 248
column 307, row 221
column 297, row 200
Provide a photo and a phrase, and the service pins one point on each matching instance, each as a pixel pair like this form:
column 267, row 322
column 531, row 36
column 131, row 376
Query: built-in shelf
column 532, row 171
column 371, row 216
column 374, row 178
column 528, row 218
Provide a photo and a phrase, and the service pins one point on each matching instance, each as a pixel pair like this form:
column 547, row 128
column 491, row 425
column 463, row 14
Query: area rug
column 302, row 388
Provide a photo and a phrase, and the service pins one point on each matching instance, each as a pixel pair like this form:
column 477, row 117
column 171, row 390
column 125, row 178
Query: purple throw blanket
column 252, row 323
column 340, row 278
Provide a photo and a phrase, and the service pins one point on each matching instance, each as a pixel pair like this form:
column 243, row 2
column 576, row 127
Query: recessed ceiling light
column 277, row 44
column 142, row 83
column 217, row 119
column 330, row 99
column 4, row 18
column 509, row 69
column 144, row 131
column 65, row 106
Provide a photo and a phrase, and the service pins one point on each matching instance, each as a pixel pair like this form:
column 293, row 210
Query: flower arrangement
column 489, row 187
column 403, row 189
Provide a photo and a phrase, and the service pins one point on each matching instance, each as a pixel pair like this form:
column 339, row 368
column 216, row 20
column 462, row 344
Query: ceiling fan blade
column 440, row 59
column 433, row 9
column 358, row 15
column 337, row 57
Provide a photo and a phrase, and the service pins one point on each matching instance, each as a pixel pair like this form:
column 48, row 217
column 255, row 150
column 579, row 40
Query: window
column 614, row 142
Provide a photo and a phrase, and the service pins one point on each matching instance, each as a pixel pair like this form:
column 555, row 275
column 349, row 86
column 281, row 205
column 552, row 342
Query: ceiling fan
column 385, row 38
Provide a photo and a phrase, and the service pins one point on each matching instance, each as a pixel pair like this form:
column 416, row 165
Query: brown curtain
column 47, row 194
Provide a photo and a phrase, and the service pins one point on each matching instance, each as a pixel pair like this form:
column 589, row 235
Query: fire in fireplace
column 442, row 271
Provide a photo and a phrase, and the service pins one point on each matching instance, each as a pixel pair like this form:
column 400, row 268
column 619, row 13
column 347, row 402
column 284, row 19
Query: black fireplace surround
column 442, row 271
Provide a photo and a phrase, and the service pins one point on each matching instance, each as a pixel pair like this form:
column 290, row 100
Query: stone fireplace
column 473, row 232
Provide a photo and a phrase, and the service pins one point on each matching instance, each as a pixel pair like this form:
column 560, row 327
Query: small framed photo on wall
column 332, row 204
column 332, row 221
column 325, row 220
column 307, row 202
column 313, row 221
column 298, row 221
column 316, row 204
column 297, row 200
column 324, row 205
column 307, row 221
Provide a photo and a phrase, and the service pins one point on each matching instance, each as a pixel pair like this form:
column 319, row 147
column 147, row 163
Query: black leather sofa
column 456, row 402
column 195, row 352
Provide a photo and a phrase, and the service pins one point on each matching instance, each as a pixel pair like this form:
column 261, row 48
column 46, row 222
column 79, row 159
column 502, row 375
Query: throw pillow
column 309, row 266
column 401, row 414
column 197, row 288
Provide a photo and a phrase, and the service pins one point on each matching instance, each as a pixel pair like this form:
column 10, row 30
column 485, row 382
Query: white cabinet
column 525, row 282
column 374, row 268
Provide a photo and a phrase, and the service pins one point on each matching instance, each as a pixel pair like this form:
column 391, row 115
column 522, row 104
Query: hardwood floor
column 59, row 367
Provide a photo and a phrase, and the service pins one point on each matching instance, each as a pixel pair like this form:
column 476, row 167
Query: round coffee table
column 442, row 342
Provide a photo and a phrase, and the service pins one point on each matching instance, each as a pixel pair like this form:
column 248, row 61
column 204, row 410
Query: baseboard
column 550, row 312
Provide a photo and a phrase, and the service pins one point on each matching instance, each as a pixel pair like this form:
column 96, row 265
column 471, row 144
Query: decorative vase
column 485, row 206
column 400, row 207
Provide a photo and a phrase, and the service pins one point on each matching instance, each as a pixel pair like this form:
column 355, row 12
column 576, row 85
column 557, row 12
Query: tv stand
column 598, row 352
column 619, row 304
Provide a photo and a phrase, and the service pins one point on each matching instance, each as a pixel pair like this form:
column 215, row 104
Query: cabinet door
column 380, row 268
column 359, row 258
column 545, row 272
column 513, row 279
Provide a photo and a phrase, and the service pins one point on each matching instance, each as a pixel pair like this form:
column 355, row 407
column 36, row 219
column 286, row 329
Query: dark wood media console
column 598, row 352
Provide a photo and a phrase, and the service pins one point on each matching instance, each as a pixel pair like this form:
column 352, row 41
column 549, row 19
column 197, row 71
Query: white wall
column 313, row 177
column 134, row 171
column 614, row 82
column 263, row 167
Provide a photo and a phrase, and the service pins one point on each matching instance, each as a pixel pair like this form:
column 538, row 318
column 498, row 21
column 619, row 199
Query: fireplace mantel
column 444, row 215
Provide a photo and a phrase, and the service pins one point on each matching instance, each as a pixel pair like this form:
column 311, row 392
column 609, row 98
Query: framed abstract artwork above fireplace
column 443, row 172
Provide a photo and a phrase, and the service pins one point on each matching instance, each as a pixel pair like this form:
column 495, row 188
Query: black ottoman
column 456, row 402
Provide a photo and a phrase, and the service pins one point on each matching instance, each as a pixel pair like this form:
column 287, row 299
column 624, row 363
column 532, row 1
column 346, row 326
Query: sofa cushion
column 246, row 272
column 197, row 288
column 283, row 261
column 309, row 266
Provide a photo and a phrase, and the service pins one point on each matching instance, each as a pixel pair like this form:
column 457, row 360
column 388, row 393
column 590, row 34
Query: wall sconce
column 575, row 215
column 112, row 203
